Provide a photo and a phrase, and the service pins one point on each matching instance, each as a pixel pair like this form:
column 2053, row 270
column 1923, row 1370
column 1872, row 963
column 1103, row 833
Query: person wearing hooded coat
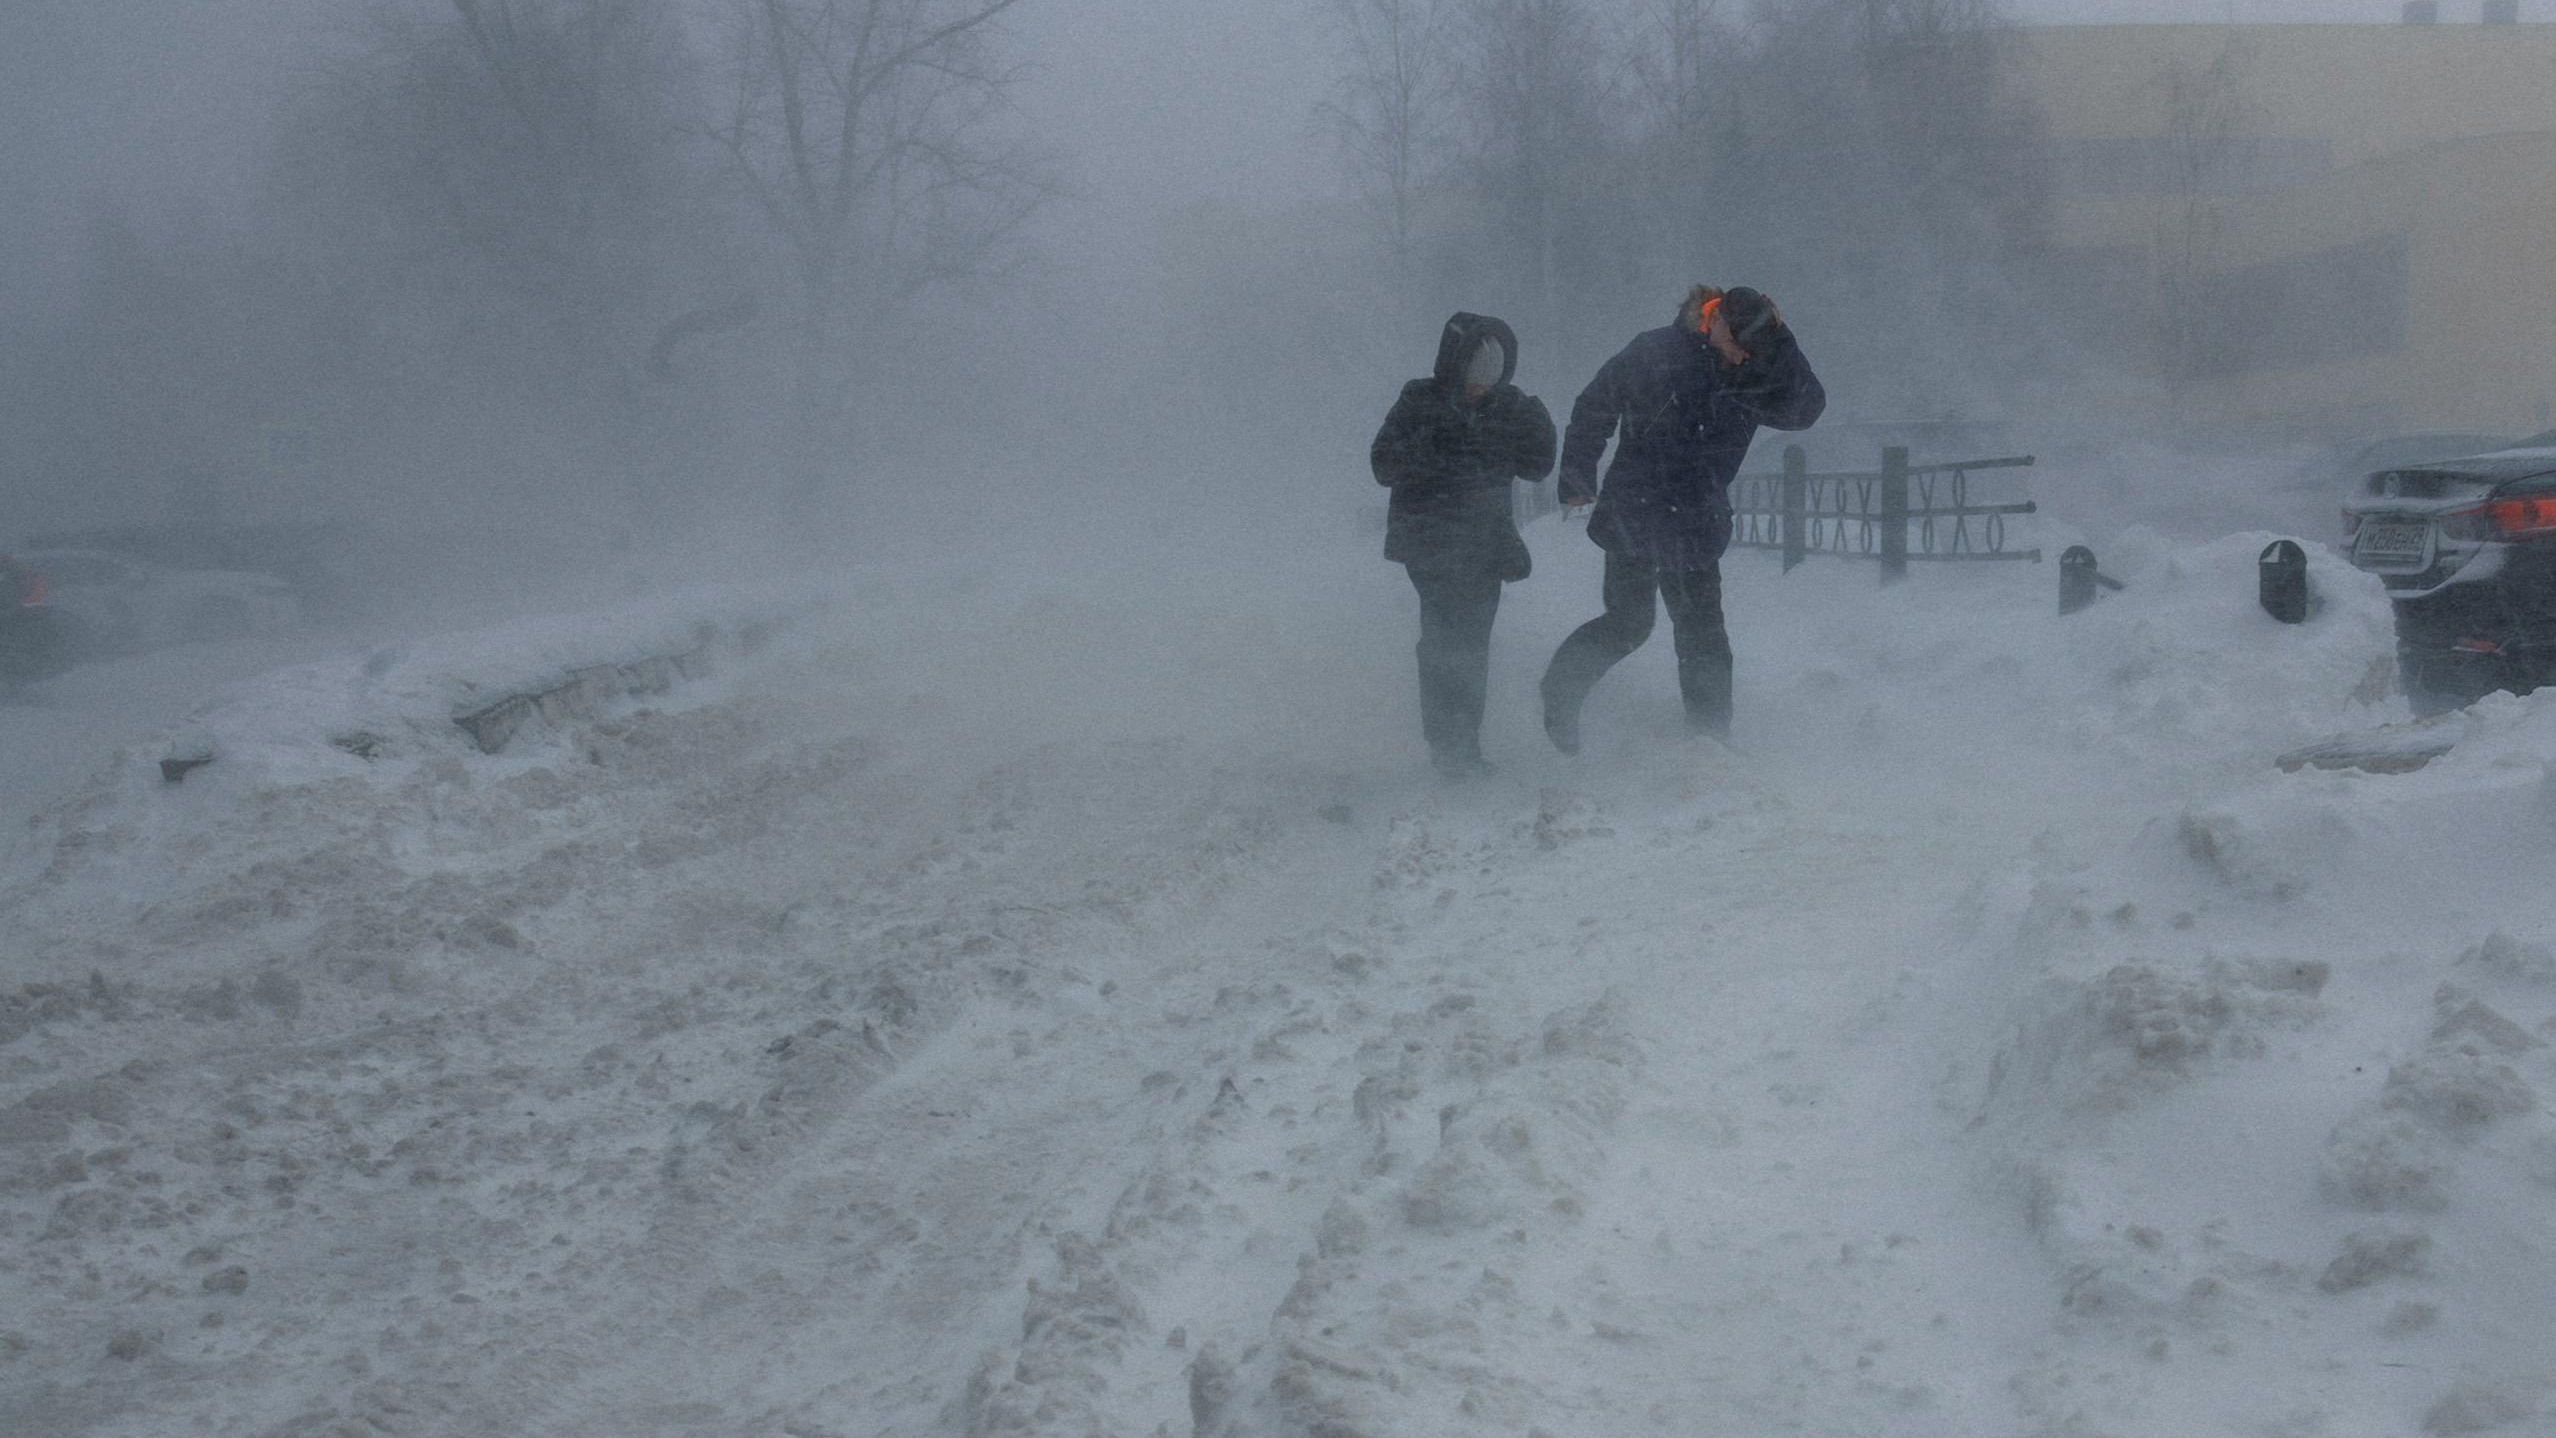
column 1448, row 450
column 1682, row 403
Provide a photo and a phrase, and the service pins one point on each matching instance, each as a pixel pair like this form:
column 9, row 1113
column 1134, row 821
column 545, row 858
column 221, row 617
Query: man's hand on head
column 1762, row 326
column 1718, row 335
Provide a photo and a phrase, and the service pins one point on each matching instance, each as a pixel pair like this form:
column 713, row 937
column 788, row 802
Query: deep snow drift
column 1007, row 1003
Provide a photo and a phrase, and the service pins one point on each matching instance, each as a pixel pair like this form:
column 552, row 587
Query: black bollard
column 2281, row 577
column 2076, row 578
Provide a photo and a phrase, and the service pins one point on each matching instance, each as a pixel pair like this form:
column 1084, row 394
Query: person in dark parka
column 1448, row 450
column 1682, row 403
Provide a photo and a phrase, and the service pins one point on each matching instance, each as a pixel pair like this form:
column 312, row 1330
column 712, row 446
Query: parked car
column 326, row 563
column 33, row 644
column 2357, row 460
column 2301, row 498
column 110, row 604
column 2467, row 549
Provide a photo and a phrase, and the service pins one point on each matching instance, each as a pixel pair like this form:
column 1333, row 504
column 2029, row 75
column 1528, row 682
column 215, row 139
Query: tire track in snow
column 1771, row 1254
column 1299, row 1126
column 1578, row 1219
column 858, row 1228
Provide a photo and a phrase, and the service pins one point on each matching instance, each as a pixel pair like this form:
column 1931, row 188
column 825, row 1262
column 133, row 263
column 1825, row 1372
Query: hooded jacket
column 1449, row 461
column 1683, row 420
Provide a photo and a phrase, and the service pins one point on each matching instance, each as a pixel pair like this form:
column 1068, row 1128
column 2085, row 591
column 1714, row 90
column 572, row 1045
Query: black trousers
column 1456, row 610
column 1634, row 592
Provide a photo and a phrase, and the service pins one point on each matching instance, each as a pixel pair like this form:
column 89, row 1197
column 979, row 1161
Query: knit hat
column 1750, row 314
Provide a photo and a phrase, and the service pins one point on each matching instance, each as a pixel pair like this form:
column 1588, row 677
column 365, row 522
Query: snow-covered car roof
column 2502, row 466
column 53, row 562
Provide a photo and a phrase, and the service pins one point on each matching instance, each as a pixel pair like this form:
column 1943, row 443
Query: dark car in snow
column 34, row 641
column 2467, row 550
column 2359, row 459
column 117, row 605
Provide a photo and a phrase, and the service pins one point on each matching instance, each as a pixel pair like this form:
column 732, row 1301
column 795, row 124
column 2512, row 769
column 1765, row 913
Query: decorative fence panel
column 1895, row 514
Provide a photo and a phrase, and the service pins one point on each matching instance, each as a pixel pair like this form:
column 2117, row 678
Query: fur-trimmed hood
column 1464, row 332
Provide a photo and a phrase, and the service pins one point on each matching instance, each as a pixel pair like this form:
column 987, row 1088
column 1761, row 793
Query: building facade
column 2319, row 230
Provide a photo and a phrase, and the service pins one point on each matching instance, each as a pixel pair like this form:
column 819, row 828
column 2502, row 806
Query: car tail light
column 2514, row 517
column 2533, row 517
column 31, row 586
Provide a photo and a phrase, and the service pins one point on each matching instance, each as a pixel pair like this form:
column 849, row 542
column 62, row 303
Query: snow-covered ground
column 1057, row 1000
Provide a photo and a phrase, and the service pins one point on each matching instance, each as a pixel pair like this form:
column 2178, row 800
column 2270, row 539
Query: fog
column 448, row 320
column 346, row 263
column 453, row 311
column 961, row 933
column 449, row 311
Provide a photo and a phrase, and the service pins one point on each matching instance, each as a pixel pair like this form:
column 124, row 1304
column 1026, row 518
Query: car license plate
column 2393, row 544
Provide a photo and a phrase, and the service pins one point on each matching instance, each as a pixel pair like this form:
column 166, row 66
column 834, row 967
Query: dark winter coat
column 1683, row 419
column 1449, row 462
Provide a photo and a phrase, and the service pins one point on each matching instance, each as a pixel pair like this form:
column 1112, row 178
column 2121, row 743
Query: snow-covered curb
column 424, row 710
column 482, row 686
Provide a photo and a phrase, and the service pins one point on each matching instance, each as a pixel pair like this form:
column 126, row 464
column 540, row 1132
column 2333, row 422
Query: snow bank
column 2180, row 670
column 1106, row 1027
column 2282, row 1059
column 239, row 773
column 2187, row 658
column 398, row 702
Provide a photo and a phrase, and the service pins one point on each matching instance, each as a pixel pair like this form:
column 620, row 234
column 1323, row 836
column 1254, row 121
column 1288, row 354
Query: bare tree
column 522, row 151
column 138, row 396
column 1677, row 45
column 1538, row 92
column 1389, row 108
column 870, row 139
column 1687, row 142
column 2205, row 113
column 1865, row 157
column 491, row 205
column 1965, row 150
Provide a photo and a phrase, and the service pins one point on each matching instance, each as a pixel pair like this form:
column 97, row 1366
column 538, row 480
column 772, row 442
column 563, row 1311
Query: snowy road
column 1051, row 1043
column 1389, row 1116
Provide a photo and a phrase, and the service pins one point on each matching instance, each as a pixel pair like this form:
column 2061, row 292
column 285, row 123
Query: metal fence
column 1895, row 514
